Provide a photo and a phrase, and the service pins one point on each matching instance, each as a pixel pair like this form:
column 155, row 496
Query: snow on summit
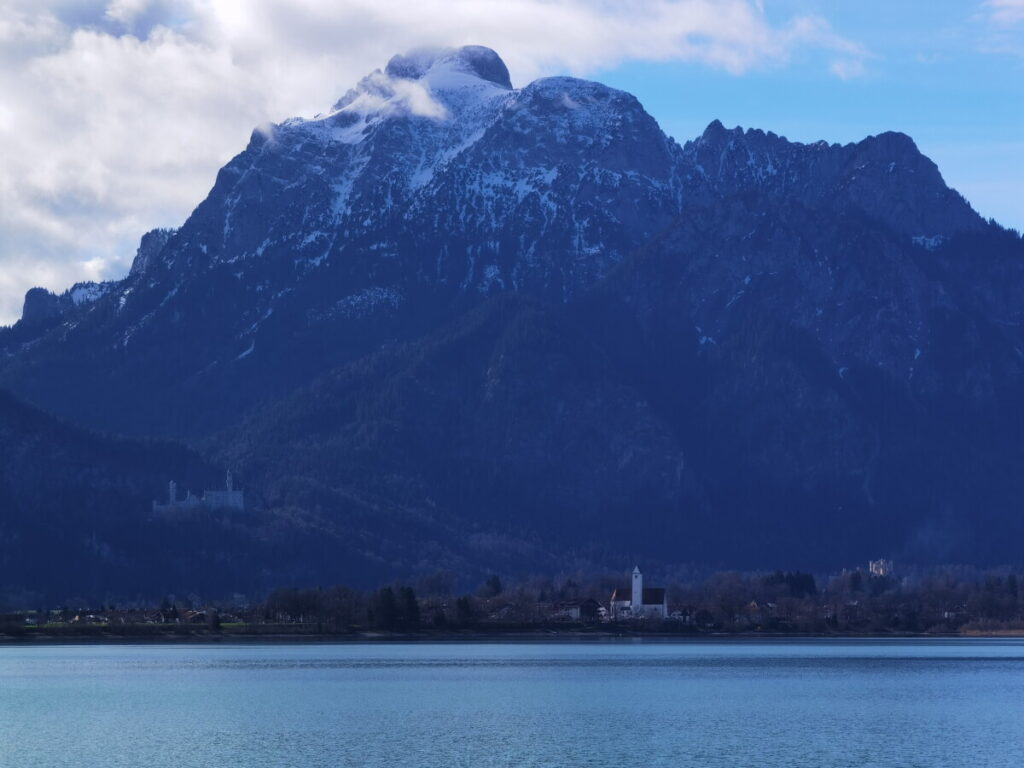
column 433, row 83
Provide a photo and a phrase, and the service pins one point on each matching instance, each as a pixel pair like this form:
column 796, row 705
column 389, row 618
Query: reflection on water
column 787, row 703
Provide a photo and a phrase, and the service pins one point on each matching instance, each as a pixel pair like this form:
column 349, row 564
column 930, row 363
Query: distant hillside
column 76, row 520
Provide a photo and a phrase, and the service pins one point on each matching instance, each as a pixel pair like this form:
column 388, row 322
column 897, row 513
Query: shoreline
column 209, row 637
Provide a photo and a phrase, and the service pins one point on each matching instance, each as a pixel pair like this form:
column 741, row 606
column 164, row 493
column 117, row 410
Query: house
column 637, row 601
column 684, row 615
column 577, row 610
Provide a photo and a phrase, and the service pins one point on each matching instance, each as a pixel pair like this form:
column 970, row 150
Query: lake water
column 735, row 704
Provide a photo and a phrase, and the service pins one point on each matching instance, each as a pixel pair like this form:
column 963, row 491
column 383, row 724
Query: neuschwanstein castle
column 228, row 498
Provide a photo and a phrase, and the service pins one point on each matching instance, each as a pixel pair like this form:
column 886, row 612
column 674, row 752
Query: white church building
column 638, row 601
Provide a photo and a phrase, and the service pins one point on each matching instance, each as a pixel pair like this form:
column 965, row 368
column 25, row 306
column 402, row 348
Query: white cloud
column 1004, row 23
column 116, row 114
column 1004, row 13
column 847, row 69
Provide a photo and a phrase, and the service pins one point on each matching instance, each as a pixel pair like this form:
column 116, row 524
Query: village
column 874, row 600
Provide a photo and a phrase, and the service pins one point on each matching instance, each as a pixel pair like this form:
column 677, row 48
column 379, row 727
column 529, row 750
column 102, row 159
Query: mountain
column 426, row 188
column 839, row 395
column 478, row 325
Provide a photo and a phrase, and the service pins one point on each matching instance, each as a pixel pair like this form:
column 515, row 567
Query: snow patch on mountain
column 86, row 293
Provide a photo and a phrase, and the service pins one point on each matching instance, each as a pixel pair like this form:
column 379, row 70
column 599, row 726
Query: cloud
column 1004, row 20
column 847, row 69
column 116, row 114
column 407, row 96
column 1004, row 13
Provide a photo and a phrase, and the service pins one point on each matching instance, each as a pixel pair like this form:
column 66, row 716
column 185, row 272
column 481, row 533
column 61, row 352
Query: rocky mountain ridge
column 523, row 316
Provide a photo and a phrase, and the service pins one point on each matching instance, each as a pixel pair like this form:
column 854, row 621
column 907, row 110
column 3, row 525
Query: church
column 638, row 601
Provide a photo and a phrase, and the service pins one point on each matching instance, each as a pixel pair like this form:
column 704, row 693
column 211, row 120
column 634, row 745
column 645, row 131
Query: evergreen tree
column 464, row 610
column 493, row 586
column 410, row 608
column 385, row 609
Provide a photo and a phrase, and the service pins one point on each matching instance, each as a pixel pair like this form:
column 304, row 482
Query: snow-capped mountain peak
column 442, row 85
column 437, row 64
column 434, row 183
column 427, row 82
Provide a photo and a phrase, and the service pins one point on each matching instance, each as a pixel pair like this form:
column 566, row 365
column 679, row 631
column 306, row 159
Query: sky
column 115, row 115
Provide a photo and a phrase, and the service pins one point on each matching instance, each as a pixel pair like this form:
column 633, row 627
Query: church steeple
column 638, row 589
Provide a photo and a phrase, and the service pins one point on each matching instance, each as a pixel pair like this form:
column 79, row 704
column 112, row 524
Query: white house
column 638, row 601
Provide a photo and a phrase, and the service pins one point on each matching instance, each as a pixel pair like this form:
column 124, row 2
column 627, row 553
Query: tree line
column 951, row 599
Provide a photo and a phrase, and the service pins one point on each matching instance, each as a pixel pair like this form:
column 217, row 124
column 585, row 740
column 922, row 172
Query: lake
column 731, row 704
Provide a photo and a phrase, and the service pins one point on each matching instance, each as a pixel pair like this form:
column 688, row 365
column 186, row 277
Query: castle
column 881, row 567
column 229, row 498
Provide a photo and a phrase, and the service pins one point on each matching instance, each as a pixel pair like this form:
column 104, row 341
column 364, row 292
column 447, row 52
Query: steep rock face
column 447, row 179
column 40, row 306
column 148, row 254
column 884, row 177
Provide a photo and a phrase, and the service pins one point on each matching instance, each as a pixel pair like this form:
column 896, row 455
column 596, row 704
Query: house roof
column 654, row 595
column 651, row 596
column 586, row 601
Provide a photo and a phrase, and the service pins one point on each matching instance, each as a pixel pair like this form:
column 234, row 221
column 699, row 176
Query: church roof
column 651, row 596
column 654, row 595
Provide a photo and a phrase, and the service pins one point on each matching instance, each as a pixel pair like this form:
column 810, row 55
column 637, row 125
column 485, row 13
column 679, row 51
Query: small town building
column 637, row 601
column 586, row 610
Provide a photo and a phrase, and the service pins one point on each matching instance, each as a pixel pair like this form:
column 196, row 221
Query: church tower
column 637, row 603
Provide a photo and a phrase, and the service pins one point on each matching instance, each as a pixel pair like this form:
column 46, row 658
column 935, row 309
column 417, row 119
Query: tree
column 440, row 583
column 385, row 609
column 409, row 608
column 464, row 610
column 213, row 618
column 492, row 587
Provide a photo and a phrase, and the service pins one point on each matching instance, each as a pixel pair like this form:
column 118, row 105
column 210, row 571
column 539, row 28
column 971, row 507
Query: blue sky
column 931, row 74
column 116, row 114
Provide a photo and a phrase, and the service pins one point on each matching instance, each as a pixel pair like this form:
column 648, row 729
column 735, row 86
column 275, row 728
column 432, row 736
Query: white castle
column 229, row 498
